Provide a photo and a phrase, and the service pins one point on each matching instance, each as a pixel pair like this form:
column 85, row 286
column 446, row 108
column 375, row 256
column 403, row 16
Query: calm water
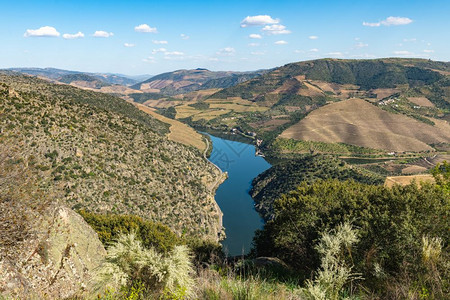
column 239, row 216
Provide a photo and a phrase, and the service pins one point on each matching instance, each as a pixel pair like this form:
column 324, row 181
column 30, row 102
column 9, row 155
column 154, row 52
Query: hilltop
column 57, row 74
column 105, row 155
column 184, row 81
column 416, row 89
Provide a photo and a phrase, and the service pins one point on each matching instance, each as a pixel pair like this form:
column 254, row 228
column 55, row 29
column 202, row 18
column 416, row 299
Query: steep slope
column 357, row 76
column 185, row 81
column 105, row 155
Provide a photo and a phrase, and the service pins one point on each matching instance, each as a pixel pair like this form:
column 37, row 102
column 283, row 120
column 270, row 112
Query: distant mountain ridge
column 56, row 74
column 184, row 81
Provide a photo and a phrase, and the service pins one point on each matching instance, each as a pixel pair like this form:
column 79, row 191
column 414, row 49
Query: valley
column 194, row 158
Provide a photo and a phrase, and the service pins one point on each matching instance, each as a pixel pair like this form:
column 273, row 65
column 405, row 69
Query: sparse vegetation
column 103, row 154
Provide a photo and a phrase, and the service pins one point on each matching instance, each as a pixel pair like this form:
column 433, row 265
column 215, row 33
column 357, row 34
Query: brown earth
column 405, row 180
column 360, row 123
column 422, row 101
column 179, row 132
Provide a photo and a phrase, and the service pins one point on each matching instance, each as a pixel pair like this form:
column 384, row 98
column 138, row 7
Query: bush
column 110, row 226
column 391, row 223
column 129, row 266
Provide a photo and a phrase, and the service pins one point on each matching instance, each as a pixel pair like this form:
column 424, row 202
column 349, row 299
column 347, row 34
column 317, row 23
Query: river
column 240, row 218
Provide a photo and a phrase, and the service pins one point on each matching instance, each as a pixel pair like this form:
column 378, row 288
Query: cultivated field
column 422, row 101
column 210, row 114
column 405, row 180
column 179, row 132
column 199, row 95
column 218, row 107
column 360, row 123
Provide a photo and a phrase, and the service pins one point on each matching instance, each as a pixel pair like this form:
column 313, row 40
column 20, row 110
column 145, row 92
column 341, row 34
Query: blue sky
column 150, row 37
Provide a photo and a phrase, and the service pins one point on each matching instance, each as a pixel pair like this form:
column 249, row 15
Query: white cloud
column 428, row 51
column 299, row 51
column 390, row 21
column 410, row 40
column 154, row 51
column 276, row 29
column 160, row 42
column 227, row 51
column 314, row 50
column 280, row 42
column 257, row 53
column 253, row 44
column 184, row 36
column 335, row 53
column 259, row 20
column 313, row 37
column 213, row 59
column 361, row 45
column 150, row 60
column 176, row 53
column 129, row 45
column 145, row 28
column 365, row 55
column 255, row 36
column 102, row 34
column 403, row 52
column 77, row 35
column 45, row 31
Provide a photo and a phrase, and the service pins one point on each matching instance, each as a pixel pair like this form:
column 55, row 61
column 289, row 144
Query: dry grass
column 360, row 123
column 405, row 180
column 179, row 132
column 185, row 111
column 383, row 93
column 310, row 91
column 414, row 169
column 422, row 101
column 200, row 95
column 210, row 114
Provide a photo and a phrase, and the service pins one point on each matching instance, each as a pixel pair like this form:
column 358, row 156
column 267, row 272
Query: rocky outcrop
column 57, row 262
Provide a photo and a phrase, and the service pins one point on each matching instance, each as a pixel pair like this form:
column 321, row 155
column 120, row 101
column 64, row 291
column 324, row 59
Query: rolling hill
column 56, row 74
column 357, row 122
column 417, row 91
column 185, row 81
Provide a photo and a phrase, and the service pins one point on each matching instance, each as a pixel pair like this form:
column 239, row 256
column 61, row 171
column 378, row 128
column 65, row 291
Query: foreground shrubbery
column 110, row 226
column 393, row 225
column 131, row 270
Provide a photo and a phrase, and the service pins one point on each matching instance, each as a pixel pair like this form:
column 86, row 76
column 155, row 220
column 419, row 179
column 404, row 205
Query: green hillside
column 417, row 88
column 185, row 81
column 287, row 175
column 102, row 154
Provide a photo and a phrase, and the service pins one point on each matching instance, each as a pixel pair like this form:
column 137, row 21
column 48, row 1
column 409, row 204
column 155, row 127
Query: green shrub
column 390, row 222
column 110, row 226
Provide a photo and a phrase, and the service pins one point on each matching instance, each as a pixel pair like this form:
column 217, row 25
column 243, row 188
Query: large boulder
column 56, row 261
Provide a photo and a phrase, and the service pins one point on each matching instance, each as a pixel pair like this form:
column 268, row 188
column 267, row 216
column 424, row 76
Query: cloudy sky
column 150, row 37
